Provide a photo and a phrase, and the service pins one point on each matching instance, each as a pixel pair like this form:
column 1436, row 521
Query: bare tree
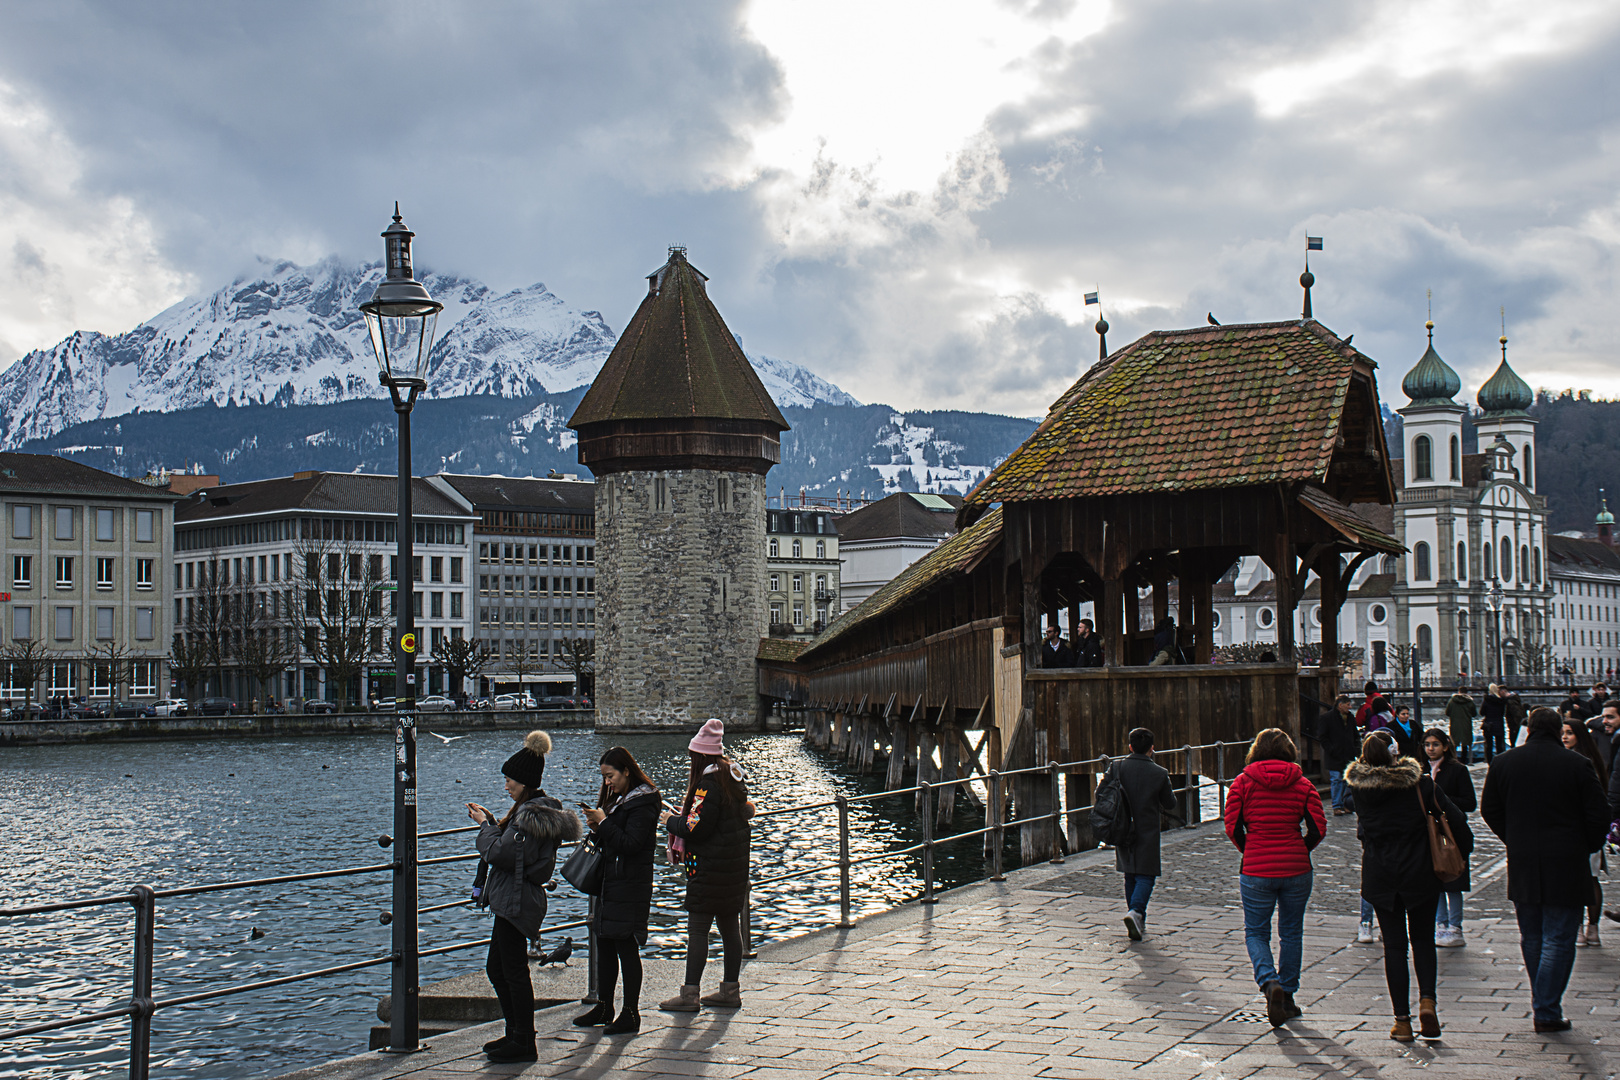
column 27, row 662
column 113, row 661
column 261, row 640
column 208, row 621
column 521, row 662
column 188, row 663
column 579, row 655
column 462, row 658
column 338, row 610
column 1535, row 658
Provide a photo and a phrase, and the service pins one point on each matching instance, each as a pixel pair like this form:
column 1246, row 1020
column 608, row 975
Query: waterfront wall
column 38, row 732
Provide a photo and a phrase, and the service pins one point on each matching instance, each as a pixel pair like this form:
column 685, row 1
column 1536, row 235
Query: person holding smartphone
column 521, row 850
column 625, row 825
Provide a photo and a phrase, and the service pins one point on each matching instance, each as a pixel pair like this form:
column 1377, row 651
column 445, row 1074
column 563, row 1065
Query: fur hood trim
column 537, row 743
column 1397, row 777
column 546, row 820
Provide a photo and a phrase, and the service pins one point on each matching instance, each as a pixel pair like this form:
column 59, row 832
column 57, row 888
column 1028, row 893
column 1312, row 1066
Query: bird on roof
column 1213, row 321
column 1349, row 339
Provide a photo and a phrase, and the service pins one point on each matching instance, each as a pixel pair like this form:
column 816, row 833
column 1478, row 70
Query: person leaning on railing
column 521, row 850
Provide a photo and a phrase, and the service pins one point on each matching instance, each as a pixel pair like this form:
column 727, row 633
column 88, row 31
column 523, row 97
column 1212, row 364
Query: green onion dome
column 1504, row 393
column 1431, row 382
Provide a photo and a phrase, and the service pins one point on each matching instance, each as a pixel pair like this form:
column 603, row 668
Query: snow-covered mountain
column 293, row 335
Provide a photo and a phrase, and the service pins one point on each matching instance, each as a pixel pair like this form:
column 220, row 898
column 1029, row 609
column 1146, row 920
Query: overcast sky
column 909, row 198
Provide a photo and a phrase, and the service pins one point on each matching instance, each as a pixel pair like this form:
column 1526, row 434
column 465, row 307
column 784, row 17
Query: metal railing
column 142, row 1004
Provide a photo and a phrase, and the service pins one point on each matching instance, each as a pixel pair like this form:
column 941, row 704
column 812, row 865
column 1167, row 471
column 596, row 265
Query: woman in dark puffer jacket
column 1393, row 795
column 713, row 829
column 1269, row 805
column 625, row 825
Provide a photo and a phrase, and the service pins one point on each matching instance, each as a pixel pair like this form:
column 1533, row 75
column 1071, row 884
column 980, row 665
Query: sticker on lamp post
column 407, row 643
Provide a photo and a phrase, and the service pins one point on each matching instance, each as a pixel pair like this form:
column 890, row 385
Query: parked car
column 316, row 705
column 169, row 707
column 87, row 711
column 218, row 706
column 133, row 710
column 549, row 702
column 514, row 701
column 33, row 711
column 437, row 703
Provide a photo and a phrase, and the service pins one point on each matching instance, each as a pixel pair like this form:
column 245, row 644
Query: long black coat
column 1458, row 784
column 1397, row 870
column 1493, row 713
column 1147, row 789
column 715, row 830
column 1336, row 734
column 628, row 837
column 1546, row 804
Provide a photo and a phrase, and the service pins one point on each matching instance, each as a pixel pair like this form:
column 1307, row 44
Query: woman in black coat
column 1577, row 738
column 625, row 826
column 1451, row 777
column 1393, row 797
column 712, row 828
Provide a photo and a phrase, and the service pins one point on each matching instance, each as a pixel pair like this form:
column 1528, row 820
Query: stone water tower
column 679, row 432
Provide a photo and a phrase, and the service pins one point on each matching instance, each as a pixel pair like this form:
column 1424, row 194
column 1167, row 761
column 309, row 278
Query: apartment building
column 801, row 571
column 86, row 550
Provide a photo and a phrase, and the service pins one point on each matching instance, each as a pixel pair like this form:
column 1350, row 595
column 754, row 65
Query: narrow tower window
column 1456, row 458
column 1420, row 562
column 1422, row 458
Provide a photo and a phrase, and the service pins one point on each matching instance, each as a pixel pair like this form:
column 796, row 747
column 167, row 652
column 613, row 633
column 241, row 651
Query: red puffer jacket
column 1264, row 809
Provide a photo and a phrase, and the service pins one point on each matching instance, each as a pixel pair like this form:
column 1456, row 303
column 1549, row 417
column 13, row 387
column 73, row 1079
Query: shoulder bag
column 1444, row 854
column 586, row 867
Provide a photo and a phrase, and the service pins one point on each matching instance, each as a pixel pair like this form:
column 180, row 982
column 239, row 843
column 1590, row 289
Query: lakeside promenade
column 1034, row 977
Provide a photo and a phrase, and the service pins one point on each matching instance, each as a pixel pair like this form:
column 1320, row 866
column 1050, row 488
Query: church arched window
column 1456, row 458
column 1462, row 561
column 1506, row 552
column 1422, row 458
column 1420, row 562
column 1425, row 644
column 1529, row 472
column 1537, row 557
column 1524, row 563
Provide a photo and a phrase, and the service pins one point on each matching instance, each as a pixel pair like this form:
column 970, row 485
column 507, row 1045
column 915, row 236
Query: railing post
column 1189, row 784
column 1057, row 811
column 1220, row 775
column 843, row 863
column 997, row 808
column 592, row 996
column 140, row 1021
column 925, row 790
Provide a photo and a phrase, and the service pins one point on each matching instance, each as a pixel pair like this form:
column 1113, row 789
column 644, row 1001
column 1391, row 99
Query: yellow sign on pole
column 407, row 642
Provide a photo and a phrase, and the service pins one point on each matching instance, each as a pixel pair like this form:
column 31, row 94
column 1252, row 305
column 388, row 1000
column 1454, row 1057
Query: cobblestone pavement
column 1034, row 977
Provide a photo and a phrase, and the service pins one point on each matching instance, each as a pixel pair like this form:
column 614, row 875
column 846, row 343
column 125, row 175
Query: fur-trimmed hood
column 544, row 819
column 1404, row 774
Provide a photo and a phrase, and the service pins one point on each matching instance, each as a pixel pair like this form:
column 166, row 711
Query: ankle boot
column 628, row 1023
column 493, row 1043
column 519, row 1049
column 685, row 1001
column 601, row 1014
column 1428, row 1019
column 1402, row 1031
column 727, row 997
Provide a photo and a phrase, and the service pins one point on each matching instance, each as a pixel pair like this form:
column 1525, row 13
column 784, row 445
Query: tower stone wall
column 680, row 601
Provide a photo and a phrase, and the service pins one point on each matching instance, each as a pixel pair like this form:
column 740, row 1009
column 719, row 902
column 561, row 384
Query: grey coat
column 521, row 858
column 1147, row 789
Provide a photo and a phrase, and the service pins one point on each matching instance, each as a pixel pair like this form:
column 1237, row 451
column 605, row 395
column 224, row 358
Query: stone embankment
column 39, row 732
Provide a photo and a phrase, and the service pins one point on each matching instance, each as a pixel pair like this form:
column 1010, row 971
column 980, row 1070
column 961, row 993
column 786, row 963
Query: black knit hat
column 528, row 765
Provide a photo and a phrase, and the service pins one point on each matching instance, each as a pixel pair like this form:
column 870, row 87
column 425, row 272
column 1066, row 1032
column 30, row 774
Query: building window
column 1378, row 614
column 798, row 583
column 1420, row 562
column 64, row 522
column 1529, row 472
column 1422, row 458
column 436, row 569
column 1524, row 563
column 145, row 526
column 143, row 678
column 143, row 623
column 821, row 549
column 798, row 615
column 22, row 623
column 775, row 547
column 1266, row 617
column 1506, row 553
column 776, row 583
column 722, row 493
column 1462, row 561
column 104, row 573
column 436, row 605
column 455, row 571
column 104, row 524
column 64, row 571
column 660, row 494
column 455, row 605
column 1538, row 566
column 1486, row 560
column 1387, row 564
column 798, row 549
column 64, row 624
column 1380, row 657
column 1425, row 644
column 776, row 614
column 104, row 623
column 22, row 571
column 22, row 522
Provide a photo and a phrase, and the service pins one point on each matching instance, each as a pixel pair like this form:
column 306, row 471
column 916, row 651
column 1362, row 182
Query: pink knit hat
column 707, row 740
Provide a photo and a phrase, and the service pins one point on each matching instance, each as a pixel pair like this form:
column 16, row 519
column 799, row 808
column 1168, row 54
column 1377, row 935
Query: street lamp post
column 1494, row 598
column 402, row 318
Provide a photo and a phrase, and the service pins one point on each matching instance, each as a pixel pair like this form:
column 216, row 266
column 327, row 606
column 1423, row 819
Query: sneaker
column 1580, row 937
column 1133, row 925
column 1364, row 935
column 1592, row 938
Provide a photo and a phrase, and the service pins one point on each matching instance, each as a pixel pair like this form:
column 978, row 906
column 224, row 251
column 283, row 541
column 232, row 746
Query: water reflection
column 84, row 820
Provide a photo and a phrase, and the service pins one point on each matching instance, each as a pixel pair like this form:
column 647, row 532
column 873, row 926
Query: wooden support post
column 925, row 759
column 1327, row 571
column 1111, row 624
column 1287, row 599
column 1204, row 616
column 950, row 756
column 1161, row 600
column 1077, row 792
column 899, row 746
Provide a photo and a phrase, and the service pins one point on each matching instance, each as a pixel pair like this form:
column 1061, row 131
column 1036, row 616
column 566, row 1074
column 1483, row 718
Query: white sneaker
column 1580, row 936
column 1133, row 925
column 1449, row 938
column 1457, row 940
column 1364, row 935
column 1592, row 938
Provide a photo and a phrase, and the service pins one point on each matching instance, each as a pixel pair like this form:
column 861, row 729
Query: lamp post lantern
column 1494, row 598
column 402, row 318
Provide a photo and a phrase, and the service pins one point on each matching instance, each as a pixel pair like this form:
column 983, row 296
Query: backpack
column 1111, row 821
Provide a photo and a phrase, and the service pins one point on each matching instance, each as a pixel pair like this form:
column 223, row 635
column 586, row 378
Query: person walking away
column 1055, row 654
column 1274, row 817
column 713, row 823
column 521, row 851
column 1517, row 714
column 1165, row 650
column 1493, row 721
column 1336, row 734
column 1380, row 714
column 1408, row 736
column 1366, row 926
column 1147, row 791
column 1575, row 737
column 1548, row 807
column 1455, row 782
column 625, row 825
column 1397, row 872
column 1087, row 646
column 1460, row 714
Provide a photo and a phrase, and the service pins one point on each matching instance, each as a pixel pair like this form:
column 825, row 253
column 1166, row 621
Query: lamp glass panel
column 402, row 343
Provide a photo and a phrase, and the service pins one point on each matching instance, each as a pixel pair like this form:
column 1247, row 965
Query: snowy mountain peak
column 293, row 335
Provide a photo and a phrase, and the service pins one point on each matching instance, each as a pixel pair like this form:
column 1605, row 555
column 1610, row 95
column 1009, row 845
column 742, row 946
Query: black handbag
column 586, row 867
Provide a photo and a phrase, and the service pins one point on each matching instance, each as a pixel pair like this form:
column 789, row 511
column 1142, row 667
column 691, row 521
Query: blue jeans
column 1287, row 896
column 1366, row 912
column 1547, row 941
column 1138, row 890
column 1448, row 912
column 1338, row 788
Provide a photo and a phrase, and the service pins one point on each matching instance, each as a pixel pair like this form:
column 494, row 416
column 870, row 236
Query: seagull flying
column 446, row 738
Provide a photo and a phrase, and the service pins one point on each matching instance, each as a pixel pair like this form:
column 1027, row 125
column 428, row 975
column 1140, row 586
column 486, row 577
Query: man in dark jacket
column 1611, row 728
column 1336, row 734
column 1460, row 713
column 1087, row 646
column 1147, row 791
column 1055, row 654
column 1517, row 713
column 1573, row 707
column 1546, row 804
column 1493, row 721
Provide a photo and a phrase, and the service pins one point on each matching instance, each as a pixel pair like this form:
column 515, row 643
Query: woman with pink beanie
column 713, row 827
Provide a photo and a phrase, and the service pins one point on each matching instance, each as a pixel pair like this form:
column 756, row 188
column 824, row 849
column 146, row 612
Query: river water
column 97, row 819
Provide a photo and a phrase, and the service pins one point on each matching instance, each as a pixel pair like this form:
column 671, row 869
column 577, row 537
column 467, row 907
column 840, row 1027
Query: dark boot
column 1294, row 1011
column 601, row 1014
column 628, row 1023
column 493, row 1043
column 521, row 1048
column 1276, row 1011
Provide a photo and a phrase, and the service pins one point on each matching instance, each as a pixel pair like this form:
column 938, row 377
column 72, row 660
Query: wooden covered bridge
column 1166, row 461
